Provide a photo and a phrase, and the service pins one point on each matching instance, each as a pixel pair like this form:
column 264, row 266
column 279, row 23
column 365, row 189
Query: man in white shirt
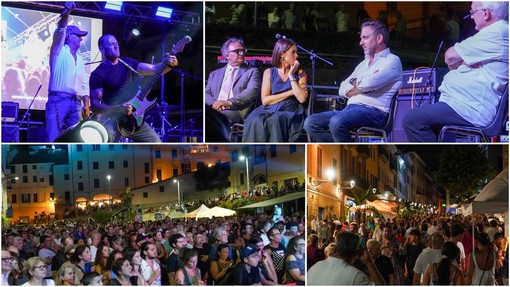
column 370, row 89
column 427, row 256
column 338, row 269
column 471, row 91
column 68, row 83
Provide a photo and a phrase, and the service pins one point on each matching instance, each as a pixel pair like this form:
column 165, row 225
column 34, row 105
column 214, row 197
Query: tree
column 463, row 172
column 127, row 198
column 360, row 198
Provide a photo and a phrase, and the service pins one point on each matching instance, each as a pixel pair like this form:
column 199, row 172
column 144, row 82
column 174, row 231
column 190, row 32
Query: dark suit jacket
column 245, row 90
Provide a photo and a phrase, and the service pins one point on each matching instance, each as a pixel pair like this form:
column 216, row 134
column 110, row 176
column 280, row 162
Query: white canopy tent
column 492, row 199
column 201, row 212
column 221, row 212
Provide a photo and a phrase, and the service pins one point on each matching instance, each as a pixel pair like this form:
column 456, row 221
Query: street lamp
column 109, row 177
column 330, row 175
column 178, row 191
column 242, row 157
column 9, row 178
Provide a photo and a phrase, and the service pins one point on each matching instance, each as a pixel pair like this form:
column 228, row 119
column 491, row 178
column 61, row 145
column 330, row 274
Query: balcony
column 363, row 151
column 383, row 154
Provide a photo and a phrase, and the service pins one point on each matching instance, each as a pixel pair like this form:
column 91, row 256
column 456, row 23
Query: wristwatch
column 352, row 80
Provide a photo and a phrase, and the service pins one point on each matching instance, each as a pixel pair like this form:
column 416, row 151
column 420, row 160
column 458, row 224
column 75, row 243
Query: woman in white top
column 481, row 270
column 445, row 272
column 35, row 269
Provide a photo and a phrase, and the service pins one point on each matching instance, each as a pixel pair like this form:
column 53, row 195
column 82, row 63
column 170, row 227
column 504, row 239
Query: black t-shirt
column 242, row 277
column 203, row 266
column 173, row 263
column 118, row 82
column 413, row 251
column 385, row 267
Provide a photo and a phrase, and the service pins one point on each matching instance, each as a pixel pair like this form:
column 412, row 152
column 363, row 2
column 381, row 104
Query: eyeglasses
column 8, row 259
column 237, row 51
column 42, row 267
column 471, row 12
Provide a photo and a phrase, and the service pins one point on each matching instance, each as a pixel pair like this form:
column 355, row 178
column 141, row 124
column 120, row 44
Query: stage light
column 85, row 132
column 135, row 32
column 113, row 5
column 164, row 12
column 132, row 33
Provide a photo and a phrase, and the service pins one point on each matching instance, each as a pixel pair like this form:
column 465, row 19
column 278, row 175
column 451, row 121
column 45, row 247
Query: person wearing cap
column 111, row 90
column 247, row 272
column 68, row 82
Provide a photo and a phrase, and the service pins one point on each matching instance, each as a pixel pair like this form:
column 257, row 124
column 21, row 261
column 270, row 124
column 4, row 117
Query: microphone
column 187, row 39
column 64, row 12
column 467, row 16
column 278, row 36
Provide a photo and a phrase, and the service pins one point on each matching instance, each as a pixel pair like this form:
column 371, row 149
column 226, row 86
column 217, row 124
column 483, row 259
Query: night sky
column 430, row 153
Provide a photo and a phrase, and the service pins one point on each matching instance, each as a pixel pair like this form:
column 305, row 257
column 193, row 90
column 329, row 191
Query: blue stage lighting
column 164, row 12
column 113, row 5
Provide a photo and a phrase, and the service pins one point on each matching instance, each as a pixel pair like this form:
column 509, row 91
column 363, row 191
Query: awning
column 102, row 196
column 384, row 208
column 81, row 199
column 276, row 200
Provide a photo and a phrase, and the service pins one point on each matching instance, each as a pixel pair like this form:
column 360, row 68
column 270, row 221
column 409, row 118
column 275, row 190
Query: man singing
column 471, row 91
column 370, row 89
column 111, row 89
column 67, row 82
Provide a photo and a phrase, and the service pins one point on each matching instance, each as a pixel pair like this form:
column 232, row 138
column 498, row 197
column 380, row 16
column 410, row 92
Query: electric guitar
column 139, row 102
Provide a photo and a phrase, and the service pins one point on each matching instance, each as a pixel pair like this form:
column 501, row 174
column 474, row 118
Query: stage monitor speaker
column 10, row 112
column 406, row 103
column 414, row 93
column 10, row 133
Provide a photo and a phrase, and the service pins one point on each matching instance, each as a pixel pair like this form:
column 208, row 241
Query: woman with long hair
column 221, row 266
column 35, row 269
column 445, row 272
column 280, row 117
column 107, row 271
column 295, row 261
column 481, row 270
column 135, row 259
column 103, row 251
column 189, row 274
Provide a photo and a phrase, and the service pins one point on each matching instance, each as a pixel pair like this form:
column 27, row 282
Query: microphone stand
column 429, row 81
column 183, row 112
column 313, row 56
column 27, row 113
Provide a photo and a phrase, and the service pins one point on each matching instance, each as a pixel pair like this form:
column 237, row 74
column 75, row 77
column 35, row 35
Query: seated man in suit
column 233, row 89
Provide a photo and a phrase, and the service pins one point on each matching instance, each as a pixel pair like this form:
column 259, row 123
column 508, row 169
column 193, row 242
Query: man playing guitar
column 113, row 86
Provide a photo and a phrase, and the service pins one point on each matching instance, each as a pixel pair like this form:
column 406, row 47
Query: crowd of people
column 241, row 250
column 417, row 250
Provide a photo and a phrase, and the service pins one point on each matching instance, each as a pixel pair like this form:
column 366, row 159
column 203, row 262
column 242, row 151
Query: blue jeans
column 336, row 126
column 424, row 123
column 144, row 134
column 62, row 112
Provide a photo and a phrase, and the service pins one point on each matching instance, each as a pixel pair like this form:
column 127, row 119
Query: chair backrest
column 391, row 115
column 495, row 127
